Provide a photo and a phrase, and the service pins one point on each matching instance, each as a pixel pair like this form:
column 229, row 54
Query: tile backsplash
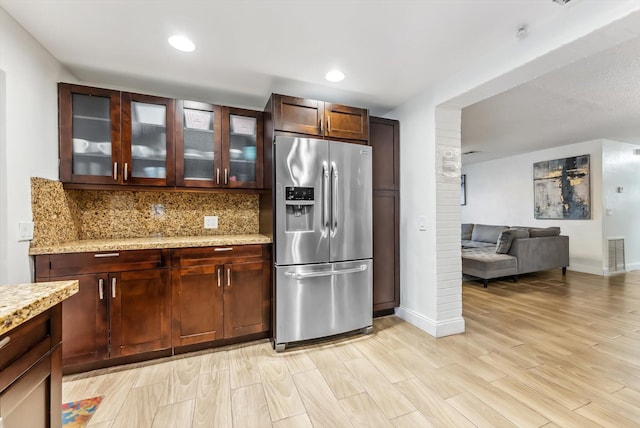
column 66, row 215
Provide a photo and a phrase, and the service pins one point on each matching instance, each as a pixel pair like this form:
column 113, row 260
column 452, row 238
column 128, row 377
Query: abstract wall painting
column 561, row 189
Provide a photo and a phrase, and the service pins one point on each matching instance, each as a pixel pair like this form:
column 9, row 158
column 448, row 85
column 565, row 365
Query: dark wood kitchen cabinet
column 123, row 307
column 385, row 140
column 30, row 373
column 318, row 118
column 115, row 138
column 220, row 293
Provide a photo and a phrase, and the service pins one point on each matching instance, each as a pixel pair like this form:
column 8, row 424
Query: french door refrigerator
column 322, row 240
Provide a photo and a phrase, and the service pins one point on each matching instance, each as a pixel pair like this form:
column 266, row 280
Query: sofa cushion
column 507, row 237
column 477, row 244
column 485, row 263
column 537, row 232
column 467, row 229
column 486, row 233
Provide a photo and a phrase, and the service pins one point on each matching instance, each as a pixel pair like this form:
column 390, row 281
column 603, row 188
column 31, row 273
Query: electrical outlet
column 25, row 230
column 211, row 222
column 157, row 210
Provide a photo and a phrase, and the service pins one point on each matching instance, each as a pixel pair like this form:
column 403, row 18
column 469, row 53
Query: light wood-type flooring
column 548, row 351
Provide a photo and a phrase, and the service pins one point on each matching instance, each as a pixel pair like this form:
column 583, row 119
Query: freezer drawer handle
column 298, row 275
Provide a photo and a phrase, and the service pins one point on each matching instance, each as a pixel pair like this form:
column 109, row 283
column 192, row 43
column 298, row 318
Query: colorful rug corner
column 76, row 414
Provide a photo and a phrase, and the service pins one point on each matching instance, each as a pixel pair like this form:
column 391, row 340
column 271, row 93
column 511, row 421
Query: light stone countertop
column 149, row 243
column 21, row 302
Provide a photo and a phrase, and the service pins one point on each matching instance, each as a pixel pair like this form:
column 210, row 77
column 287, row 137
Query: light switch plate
column 25, row 230
column 211, row 222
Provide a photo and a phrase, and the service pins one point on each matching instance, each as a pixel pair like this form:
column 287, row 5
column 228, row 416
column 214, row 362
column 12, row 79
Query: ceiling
column 596, row 97
column 390, row 50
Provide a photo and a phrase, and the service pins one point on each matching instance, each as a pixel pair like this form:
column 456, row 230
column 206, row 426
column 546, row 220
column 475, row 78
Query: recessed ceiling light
column 182, row 43
column 334, row 76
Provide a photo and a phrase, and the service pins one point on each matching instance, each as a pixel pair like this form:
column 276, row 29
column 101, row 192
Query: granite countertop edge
column 149, row 243
column 22, row 302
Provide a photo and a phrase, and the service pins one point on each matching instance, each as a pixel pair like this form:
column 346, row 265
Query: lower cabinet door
column 84, row 321
column 140, row 314
column 246, row 298
column 197, row 304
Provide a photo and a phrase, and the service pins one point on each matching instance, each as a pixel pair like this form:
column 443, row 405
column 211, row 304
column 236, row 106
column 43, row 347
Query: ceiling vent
column 561, row 2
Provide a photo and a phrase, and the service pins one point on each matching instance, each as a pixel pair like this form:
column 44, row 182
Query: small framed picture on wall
column 463, row 189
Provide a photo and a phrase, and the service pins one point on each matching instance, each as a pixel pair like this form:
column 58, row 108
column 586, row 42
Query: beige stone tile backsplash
column 65, row 215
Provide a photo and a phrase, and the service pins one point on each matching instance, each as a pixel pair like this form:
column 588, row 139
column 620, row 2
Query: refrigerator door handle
column 298, row 275
column 325, row 195
column 334, row 198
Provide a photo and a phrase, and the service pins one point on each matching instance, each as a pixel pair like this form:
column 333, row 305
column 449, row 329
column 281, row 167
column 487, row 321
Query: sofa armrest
column 536, row 254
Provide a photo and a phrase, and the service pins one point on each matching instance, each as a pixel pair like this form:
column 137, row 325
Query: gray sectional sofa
column 490, row 251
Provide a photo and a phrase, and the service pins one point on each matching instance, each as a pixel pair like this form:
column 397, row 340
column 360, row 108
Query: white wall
column 621, row 168
column 31, row 136
column 501, row 192
column 562, row 40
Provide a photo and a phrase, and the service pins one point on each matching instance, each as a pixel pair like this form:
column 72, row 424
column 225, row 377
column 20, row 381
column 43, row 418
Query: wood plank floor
column 545, row 351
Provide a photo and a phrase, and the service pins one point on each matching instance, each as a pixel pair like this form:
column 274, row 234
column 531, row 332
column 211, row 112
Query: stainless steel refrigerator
column 322, row 239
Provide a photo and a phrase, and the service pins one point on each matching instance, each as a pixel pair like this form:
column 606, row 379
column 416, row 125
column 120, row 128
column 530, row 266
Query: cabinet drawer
column 106, row 261
column 23, row 347
column 215, row 255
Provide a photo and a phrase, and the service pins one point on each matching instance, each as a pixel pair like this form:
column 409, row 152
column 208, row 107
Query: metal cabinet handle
column 226, row 176
column 217, row 175
column 126, row 171
column 4, row 342
column 228, row 277
column 106, row 255
column 219, row 282
column 321, row 123
column 101, row 288
column 115, row 171
column 224, row 249
column 113, row 288
column 328, row 123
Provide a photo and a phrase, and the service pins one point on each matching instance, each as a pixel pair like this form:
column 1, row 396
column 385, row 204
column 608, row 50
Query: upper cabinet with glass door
column 90, row 146
column 242, row 148
column 148, row 126
column 112, row 137
column 198, row 144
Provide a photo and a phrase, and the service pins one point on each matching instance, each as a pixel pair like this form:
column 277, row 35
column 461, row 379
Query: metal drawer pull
column 224, row 249
column 113, row 288
column 298, row 275
column 219, row 282
column 329, row 122
column 228, row 277
column 106, row 255
column 115, row 171
column 126, row 171
column 101, row 288
column 217, row 175
column 226, row 176
column 4, row 342
column 322, row 123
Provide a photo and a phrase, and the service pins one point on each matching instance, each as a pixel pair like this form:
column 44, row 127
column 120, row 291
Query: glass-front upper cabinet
column 148, row 140
column 90, row 144
column 242, row 148
column 198, row 144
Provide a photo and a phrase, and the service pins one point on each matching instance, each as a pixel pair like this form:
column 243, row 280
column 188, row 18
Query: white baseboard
column 632, row 266
column 434, row 328
column 593, row 270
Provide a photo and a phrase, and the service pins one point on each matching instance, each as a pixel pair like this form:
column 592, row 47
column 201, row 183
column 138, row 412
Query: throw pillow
column 504, row 241
column 507, row 237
